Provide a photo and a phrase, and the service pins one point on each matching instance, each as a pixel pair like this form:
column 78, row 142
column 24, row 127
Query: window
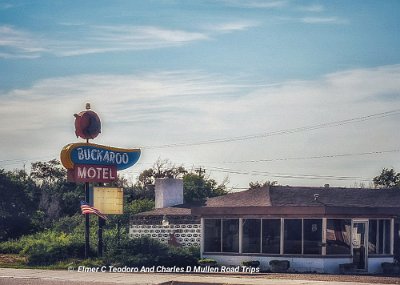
column 271, row 236
column 251, row 235
column 379, row 237
column 293, row 232
column 312, row 236
column 338, row 235
column 384, row 236
column 212, row 235
column 230, row 235
column 373, row 237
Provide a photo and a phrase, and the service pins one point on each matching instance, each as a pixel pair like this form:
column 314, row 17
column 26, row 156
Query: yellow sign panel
column 109, row 200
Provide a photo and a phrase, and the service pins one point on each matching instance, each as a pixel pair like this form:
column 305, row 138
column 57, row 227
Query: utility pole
column 200, row 171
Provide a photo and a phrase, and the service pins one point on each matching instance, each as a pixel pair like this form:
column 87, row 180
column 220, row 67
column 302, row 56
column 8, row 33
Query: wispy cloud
column 232, row 26
column 315, row 8
column 16, row 43
column 323, row 20
column 100, row 39
column 264, row 4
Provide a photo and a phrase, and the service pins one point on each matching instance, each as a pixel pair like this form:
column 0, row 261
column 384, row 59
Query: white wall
column 300, row 264
column 374, row 263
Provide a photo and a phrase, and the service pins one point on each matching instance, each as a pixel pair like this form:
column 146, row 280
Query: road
column 58, row 277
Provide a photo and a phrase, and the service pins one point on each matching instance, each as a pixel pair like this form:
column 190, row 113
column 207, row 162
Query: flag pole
column 87, row 222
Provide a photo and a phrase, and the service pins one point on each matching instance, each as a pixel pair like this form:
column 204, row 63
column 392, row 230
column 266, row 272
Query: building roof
column 286, row 200
column 178, row 210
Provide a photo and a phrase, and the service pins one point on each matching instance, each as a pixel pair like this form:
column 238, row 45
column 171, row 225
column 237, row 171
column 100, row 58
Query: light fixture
column 165, row 222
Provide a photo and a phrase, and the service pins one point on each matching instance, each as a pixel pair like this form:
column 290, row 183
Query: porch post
column 240, row 235
column 201, row 237
column 391, row 236
column 282, row 234
column 324, row 224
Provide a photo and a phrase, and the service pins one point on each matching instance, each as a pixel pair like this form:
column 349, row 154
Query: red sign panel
column 92, row 173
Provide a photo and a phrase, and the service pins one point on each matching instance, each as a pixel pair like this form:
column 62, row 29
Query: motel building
column 315, row 228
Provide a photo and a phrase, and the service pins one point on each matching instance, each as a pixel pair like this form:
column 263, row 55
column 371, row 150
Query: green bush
column 251, row 263
column 279, row 265
column 148, row 252
column 177, row 257
column 51, row 247
column 207, row 262
column 11, row 246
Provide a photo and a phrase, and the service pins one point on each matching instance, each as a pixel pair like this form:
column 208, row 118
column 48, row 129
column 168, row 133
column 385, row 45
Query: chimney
column 169, row 192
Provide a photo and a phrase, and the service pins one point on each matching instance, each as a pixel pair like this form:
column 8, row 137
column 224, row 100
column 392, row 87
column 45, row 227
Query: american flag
column 87, row 209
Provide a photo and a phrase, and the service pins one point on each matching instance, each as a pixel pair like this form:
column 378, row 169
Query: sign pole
column 100, row 233
column 91, row 163
column 87, row 223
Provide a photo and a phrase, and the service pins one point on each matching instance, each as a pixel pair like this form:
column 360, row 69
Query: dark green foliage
column 196, row 188
column 207, row 262
column 251, row 263
column 149, row 252
column 279, row 265
column 40, row 216
column 258, row 184
column 387, row 179
column 17, row 204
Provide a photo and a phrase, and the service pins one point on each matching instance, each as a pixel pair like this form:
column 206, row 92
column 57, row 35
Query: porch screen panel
column 230, row 235
column 271, row 236
column 338, row 236
column 251, row 235
column 384, row 236
column 212, row 235
column 373, row 237
column 292, row 236
column 312, row 236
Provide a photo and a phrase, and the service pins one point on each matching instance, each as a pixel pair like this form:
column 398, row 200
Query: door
column 359, row 241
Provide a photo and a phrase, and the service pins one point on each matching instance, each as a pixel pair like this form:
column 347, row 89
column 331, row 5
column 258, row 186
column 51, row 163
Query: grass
column 20, row 262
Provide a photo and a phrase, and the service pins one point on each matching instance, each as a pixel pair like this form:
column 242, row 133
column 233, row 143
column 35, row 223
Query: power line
column 285, row 175
column 284, row 131
column 310, row 157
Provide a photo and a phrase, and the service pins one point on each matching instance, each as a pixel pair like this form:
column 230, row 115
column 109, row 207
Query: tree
column 48, row 172
column 17, row 204
column 58, row 196
column 258, row 184
column 161, row 169
column 196, row 188
column 387, row 179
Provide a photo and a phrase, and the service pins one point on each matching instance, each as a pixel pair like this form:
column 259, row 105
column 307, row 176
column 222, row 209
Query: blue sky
column 167, row 72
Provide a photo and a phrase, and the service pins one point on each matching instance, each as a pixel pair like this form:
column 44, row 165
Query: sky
column 304, row 93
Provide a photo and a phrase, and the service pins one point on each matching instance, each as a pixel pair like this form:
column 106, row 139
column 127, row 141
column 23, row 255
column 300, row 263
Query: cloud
column 323, row 20
column 188, row 106
column 232, row 26
column 315, row 8
column 263, row 4
column 16, row 43
column 101, row 39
